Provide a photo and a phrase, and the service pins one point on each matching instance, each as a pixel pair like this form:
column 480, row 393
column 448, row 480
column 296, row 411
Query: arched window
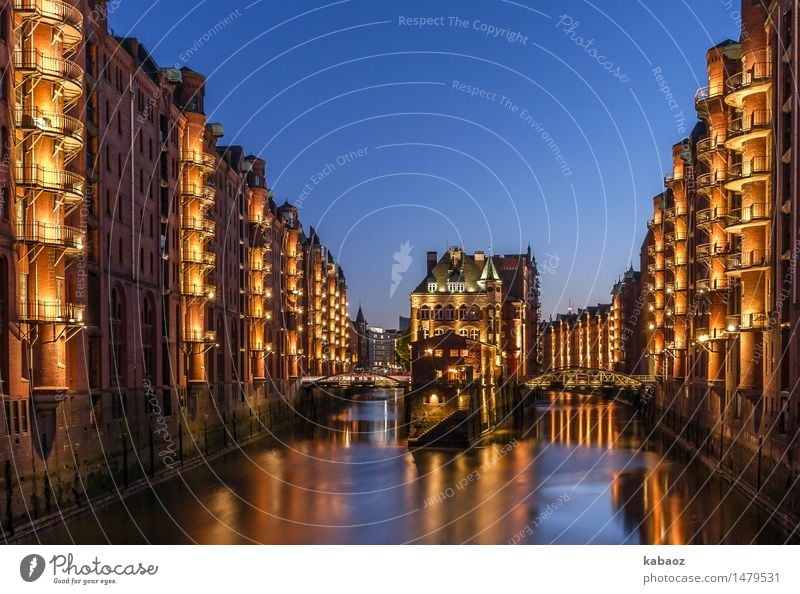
column 450, row 313
column 463, row 332
column 475, row 313
column 462, row 312
column 474, row 334
column 438, row 332
column 437, row 312
column 424, row 313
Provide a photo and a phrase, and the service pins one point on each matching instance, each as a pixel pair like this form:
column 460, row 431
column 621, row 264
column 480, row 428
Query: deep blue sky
column 440, row 167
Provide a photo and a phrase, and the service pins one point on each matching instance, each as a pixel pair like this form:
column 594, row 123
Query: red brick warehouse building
column 145, row 270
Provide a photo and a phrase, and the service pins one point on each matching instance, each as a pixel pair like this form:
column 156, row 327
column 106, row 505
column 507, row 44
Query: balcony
column 652, row 223
column 65, row 128
column 706, row 182
column 705, row 251
column 748, row 216
column 673, row 236
column 56, row 13
column 708, row 147
column 69, row 185
column 707, row 217
column 200, row 225
column 708, row 93
column 66, row 73
column 205, row 194
column 756, row 79
column 748, row 261
column 51, row 312
column 199, row 258
column 201, row 336
column 747, row 321
column 703, row 334
column 199, row 159
column 61, row 236
column 753, row 170
column 675, row 211
column 204, row 290
column 742, row 129
column 671, row 180
column 710, row 285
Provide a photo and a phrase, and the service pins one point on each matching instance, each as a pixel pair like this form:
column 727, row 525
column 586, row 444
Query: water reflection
column 575, row 470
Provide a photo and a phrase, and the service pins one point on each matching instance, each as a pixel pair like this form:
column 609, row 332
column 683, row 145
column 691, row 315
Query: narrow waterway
column 576, row 470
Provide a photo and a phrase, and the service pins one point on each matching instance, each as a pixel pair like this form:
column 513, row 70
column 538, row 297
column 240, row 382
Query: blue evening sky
column 493, row 125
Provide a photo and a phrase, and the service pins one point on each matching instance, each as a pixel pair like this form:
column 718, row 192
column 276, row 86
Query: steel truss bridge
column 358, row 380
column 587, row 378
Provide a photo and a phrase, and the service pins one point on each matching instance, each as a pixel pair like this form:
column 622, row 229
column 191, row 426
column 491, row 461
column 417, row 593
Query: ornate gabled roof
column 454, row 263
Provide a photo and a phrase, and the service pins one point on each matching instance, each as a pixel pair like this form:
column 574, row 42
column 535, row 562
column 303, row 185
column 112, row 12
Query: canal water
column 576, row 470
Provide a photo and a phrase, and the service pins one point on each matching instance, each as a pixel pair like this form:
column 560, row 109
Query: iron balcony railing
column 57, row 11
column 196, row 224
column 709, row 250
column 759, row 211
column 758, row 119
column 758, row 73
column 672, row 178
column 203, row 336
column 709, row 180
column 198, row 192
column 194, row 256
column 706, row 147
column 673, row 236
column 33, row 60
column 51, row 180
column 748, row 321
column 51, row 312
column 197, row 289
column 199, row 158
column 711, row 284
column 752, row 259
column 715, row 88
column 51, row 235
column 50, row 123
column 706, row 216
column 753, row 166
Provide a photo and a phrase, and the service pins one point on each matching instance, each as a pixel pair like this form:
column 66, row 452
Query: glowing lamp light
column 702, row 338
column 731, row 328
column 652, row 326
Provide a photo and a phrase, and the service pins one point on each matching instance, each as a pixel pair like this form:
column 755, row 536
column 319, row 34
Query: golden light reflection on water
column 353, row 480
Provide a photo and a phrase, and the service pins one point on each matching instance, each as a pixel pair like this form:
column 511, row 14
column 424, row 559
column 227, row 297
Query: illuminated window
column 437, row 353
column 454, row 353
column 431, row 287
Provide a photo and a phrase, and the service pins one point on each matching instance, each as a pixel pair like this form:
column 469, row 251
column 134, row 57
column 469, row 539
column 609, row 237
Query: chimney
column 480, row 259
column 432, row 259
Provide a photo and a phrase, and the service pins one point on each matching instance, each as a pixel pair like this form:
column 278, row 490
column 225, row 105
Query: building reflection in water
column 351, row 479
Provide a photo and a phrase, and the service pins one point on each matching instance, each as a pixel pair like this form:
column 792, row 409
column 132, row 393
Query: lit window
column 431, row 287
column 437, row 353
column 455, row 287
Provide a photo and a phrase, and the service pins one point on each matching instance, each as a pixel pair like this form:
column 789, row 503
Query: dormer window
column 455, row 287
column 431, row 287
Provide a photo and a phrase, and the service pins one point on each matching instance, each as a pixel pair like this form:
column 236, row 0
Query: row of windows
column 449, row 313
column 452, row 287
column 471, row 333
column 16, row 417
